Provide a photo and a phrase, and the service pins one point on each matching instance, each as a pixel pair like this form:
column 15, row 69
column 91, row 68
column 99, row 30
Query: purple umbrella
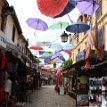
column 57, row 55
column 37, row 24
column 88, row 7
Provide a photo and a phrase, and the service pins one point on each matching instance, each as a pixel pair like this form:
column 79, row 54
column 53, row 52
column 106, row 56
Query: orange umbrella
column 52, row 7
column 36, row 47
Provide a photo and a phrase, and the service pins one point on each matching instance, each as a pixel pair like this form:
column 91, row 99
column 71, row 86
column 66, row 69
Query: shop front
column 91, row 85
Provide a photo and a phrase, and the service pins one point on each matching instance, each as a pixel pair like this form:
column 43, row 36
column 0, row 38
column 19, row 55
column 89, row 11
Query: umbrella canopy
column 56, row 46
column 37, row 24
column 88, row 7
column 70, row 6
column 59, row 25
column 67, row 51
column 57, row 55
column 68, row 46
column 78, row 27
column 56, row 60
column 47, row 54
column 36, row 47
column 51, row 7
column 41, row 52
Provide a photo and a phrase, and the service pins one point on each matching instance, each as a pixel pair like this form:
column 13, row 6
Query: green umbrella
column 59, row 25
column 46, row 54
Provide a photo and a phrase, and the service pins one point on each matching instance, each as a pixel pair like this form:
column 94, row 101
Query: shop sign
column 12, row 47
column 3, row 41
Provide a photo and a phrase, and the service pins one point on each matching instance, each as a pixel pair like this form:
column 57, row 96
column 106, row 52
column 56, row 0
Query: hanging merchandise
column 87, row 65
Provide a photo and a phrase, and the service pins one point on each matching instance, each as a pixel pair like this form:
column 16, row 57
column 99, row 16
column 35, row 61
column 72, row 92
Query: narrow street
column 48, row 97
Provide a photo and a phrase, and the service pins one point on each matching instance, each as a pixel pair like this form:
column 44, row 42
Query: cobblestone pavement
column 48, row 97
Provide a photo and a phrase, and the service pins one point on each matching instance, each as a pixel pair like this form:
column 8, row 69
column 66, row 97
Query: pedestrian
column 29, row 87
column 7, row 89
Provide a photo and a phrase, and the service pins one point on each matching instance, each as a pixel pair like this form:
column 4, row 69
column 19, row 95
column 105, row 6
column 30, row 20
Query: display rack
column 96, row 91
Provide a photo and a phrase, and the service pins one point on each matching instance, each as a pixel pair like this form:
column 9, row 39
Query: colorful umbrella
column 47, row 54
column 36, row 47
column 57, row 55
column 51, row 8
column 59, row 25
column 70, row 6
column 88, row 7
column 56, row 46
column 37, row 24
column 68, row 46
column 41, row 52
column 67, row 51
column 78, row 27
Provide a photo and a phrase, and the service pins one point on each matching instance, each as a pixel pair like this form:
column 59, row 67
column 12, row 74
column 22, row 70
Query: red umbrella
column 36, row 48
column 52, row 7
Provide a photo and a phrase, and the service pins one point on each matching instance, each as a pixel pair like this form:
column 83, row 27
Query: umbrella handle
column 70, row 18
column 35, row 33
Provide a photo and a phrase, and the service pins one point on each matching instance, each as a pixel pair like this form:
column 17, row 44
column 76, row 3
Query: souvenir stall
column 69, row 81
column 91, row 83
column 3, row 66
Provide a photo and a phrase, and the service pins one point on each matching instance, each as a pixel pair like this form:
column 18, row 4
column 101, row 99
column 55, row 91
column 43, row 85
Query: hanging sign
column 3, row 41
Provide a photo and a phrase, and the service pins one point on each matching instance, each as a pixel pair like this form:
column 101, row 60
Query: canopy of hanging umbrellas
column 54, row 53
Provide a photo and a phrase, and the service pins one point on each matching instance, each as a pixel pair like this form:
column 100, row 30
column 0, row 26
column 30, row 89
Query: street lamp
column 64, row 37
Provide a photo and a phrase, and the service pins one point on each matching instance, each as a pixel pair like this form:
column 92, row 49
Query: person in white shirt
column 104, row 102
column 7, row 89
column 8, row 86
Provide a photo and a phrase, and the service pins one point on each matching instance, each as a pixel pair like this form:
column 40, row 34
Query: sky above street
column 28, row 9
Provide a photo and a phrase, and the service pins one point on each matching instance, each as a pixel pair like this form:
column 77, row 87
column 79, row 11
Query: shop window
column 79, row 50
column 81, row 18
column 85, row 44
column 77, row 39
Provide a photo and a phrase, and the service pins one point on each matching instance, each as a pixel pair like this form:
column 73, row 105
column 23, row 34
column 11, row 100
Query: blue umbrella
column 68, row 46
column 70, row 6
column 78, row 27
column 56, row 46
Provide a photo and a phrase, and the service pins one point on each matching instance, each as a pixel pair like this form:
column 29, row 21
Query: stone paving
column 48, row 97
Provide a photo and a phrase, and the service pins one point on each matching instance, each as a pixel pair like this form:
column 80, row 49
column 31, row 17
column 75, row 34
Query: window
column 99, row 11
column 13, row 34
column 77, row 39
column 79, row 50
column 85, row 44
